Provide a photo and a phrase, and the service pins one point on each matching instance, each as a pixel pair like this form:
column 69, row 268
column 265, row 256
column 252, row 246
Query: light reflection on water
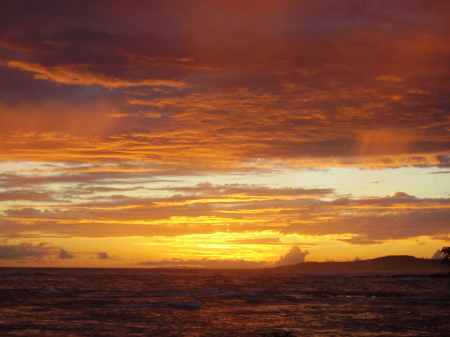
column 68, row 302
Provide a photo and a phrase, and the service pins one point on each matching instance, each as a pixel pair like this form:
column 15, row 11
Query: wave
column 50, row 290
column 188, row 304
column 151, row 275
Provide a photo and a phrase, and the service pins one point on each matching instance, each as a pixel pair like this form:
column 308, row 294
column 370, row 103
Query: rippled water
column 136, row 302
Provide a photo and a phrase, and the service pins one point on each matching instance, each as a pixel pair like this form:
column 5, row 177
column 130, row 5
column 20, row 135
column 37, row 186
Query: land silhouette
column 387, row 264
column 445, row 252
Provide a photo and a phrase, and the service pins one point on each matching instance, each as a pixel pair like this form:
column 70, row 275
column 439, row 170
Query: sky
column 222, row 134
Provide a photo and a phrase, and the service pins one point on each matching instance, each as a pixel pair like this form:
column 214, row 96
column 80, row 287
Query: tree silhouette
column 445, row 252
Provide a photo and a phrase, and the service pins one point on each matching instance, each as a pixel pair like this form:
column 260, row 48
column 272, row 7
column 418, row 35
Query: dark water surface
column 136, row 302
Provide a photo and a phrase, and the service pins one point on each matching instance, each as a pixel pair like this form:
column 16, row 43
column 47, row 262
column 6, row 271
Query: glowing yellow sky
column 146, row 134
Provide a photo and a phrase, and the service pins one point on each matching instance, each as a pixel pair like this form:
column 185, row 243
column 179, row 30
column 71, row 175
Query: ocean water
column 137, row 302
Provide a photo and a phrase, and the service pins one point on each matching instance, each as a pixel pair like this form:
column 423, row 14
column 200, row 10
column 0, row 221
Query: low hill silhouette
column 396, row 263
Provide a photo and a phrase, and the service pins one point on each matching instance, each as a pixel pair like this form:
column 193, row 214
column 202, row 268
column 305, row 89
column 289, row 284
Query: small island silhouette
column 387, row 264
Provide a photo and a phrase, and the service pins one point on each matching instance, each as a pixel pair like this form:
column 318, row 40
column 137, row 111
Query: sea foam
column 51, row 290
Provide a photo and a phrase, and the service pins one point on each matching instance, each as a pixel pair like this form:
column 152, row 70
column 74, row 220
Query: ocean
column 198, row 302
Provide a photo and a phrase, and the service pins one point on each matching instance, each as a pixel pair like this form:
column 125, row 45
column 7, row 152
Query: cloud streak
column 18, row 253
column 207, row 208
column 204, row 263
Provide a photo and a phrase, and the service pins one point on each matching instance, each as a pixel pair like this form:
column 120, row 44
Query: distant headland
column 387, row 264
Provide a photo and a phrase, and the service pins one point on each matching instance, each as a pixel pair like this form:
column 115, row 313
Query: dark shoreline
column 395, row 266
column 440, row 275
column 404, row 264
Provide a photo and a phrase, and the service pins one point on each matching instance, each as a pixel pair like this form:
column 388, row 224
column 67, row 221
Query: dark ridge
column 393, row 263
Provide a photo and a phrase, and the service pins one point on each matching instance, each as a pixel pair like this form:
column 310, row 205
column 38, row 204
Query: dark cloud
column 63, row 254
column 18, row 253
column 25, row 195
column 102, row 256
column 440, row 172
column 249, row 190
column 106, row 256
column 361, row 240
column 400, row 195
column 205, row 263
column 87, row 181
column 23, row 212
column 295, row 255
column 437, row 255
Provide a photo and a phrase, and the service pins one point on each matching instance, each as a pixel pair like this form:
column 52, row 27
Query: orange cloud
column 386, row 141
column 206, row 208
column 81, row 75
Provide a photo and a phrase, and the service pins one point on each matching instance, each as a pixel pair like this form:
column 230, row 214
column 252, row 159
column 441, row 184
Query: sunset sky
column 222, row 134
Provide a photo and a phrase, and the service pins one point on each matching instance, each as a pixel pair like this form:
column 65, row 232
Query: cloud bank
column 18, row 253
column 204, row 263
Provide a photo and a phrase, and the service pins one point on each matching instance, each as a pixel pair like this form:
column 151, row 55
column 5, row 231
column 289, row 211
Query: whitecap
column 51, row 290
